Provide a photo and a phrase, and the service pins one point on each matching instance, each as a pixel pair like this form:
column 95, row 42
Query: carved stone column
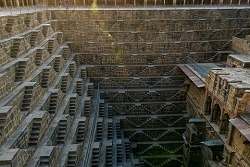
column 5, row 4
column 17, row 3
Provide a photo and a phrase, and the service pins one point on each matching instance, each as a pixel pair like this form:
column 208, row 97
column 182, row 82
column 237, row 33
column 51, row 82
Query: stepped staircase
column 57, row 61
column 40, row 17
column 72, row 69
column 127, row 150
column 99, row 131
column 80, row 132
column 3, row 117
column 66, row 52
column 109, row 157
column 62, row 127
column 148, row 135
column 87, row 106
column 34, row 134
column 118, row 131
column 53, row 103
column 27, row 98
column 45, row 77
column 9, row 24
column 39, row 55
column 15, row 47
column 79, row 86
column 90, row 89
column 20, row 74
column 132, row 135
column 44, row 161
column 46, row 28
column 72, row 106
column 110, row 113
column 72, row 159
column 101, row 110
column 64, row 83
column 145, row 150
column 110, row 131
column 83, row 73
column 95, row 157
column 119, row 154
column 51, row 45
column 33, row 38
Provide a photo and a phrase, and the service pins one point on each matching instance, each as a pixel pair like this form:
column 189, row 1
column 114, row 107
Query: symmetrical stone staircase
column 34, row 134
column 85, row 90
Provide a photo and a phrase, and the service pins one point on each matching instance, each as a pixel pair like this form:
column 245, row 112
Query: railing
column 198, row 68
column 86, row 157
column 40, row 7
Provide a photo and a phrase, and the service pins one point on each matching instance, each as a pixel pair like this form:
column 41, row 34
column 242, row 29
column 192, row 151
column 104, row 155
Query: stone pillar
column 11, row 3
column 174, row 2
column 17, row 3
column 5, row 4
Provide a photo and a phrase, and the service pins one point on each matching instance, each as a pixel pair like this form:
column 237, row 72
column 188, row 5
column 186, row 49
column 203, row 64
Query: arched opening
column 216, row 113
column 208, row 106
column 224, row 124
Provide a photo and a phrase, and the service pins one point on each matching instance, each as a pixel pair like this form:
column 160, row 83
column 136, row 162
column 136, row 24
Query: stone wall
column 231, row 94
column 241, row 148
column 50, row 74
column 195, row 101
column 115, row 3
column 241, row 45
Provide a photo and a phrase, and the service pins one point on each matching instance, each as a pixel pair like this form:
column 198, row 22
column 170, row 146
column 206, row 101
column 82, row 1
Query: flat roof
column 237, row 77
column 241, row 58
column 192, row 76
column 242, row 126
column 245, row 117
column 213, row 143
column 192, row 120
